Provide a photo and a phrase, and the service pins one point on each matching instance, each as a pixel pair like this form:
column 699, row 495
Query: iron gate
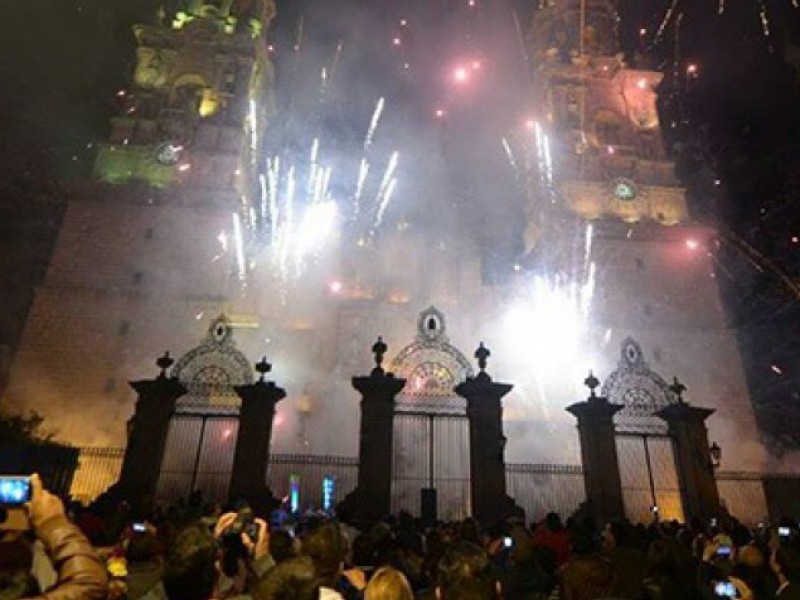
column 431, row 450
column 649, row 477
column 198, row 456
column 645, row 452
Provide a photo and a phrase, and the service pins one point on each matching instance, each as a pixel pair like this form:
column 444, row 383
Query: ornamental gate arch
column 645, row 450
column 431, row 431
column 204, row 427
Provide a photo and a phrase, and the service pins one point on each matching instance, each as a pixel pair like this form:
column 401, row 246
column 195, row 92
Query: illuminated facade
column 153, row 249
column 133, row 267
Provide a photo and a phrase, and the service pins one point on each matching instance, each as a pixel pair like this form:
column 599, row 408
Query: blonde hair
column 388, row 584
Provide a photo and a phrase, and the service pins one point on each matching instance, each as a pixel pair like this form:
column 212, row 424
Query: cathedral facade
column 155, row 246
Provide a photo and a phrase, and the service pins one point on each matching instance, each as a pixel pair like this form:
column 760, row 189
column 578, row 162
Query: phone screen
column 724, row 551
column 15, row 490
column 139, row 527
column 508, row 542
column 725, row 589
column 784, row 531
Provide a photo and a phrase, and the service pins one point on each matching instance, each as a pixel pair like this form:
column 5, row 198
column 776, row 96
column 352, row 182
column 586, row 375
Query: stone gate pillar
column 147, row 437
column 251, row 457
column 689, row 434
column 599, row 453
column 371, row 500
column 490, row 502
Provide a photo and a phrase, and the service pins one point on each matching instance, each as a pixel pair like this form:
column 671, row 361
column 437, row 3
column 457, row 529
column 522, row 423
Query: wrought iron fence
column 98, row 468
column 538, row 488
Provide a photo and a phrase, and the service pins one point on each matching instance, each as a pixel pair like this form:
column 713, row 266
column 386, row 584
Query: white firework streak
column 381, row 199
column 373, row 124
column 273, row 175
column 239, row 245
column 509, row 154
column 262, row 181
column 363, row 171
column 253, row 127
column 387, row 197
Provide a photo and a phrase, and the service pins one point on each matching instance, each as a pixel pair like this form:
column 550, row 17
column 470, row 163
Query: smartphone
column 15, row 490
column 725, row 589
column 713, row 522
column 508, row 542
column 784, row 532
column 724, row 551
column 139, row 527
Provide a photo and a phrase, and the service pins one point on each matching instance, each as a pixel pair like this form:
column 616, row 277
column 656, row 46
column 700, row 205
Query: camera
column 15, row 490
column 245, row 523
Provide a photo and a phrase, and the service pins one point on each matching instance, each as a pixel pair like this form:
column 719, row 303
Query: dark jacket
column 81, row 574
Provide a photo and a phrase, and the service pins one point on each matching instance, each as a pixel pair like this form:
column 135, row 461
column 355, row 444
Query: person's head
column 584, row 540
column 388, row 584
column 327, row 547
column 141, row 548
column 15, row 567
column 281, row 545
column 661, row 558
column 553, row 522
column 469, row 530
column 292, row 579
column 465, row 565
column 786, row 563
column 189, row 570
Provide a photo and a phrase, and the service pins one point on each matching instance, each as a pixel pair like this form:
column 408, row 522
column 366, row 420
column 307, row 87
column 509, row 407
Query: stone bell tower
column 610, row 215
column 152, row 242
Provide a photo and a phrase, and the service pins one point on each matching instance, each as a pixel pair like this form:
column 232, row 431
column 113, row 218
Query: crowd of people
column 196, row 552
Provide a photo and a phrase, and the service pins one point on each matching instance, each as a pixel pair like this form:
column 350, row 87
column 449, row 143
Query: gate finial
column 482, row 354
column 263, row 367
column 677, row 388
column 379, row 348
column 164, row 363
column 592, row 383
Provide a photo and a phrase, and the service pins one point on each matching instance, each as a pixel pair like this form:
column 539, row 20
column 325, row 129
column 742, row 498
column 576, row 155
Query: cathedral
column 615, row 277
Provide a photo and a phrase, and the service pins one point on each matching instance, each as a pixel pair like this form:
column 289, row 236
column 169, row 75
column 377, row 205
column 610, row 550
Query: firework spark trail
column 273, row 175
column 363, row 171
column 387, row 197
column 373, row 124
column 764, row 16
column 665, row 22
column 510, row 155
column 253, row 122
column 262, row 182
column 239, row 246
column 588, row 243
column 337, row 57
column 388, row 174
column 383, row 197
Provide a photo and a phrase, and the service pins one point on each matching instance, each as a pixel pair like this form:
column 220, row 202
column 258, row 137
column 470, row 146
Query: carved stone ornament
column 640, row 390
column 432, row 367
column 212, row 369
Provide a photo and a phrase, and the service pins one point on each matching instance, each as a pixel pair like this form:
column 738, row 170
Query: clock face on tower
column 624, row 189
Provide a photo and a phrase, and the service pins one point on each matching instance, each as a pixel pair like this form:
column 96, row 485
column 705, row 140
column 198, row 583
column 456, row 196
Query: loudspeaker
column 428, row 506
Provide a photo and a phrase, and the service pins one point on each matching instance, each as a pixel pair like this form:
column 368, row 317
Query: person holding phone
column 785, row 563
column 81, row 574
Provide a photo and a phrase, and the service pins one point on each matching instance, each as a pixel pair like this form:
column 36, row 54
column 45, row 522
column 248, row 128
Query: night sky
column 734, row 131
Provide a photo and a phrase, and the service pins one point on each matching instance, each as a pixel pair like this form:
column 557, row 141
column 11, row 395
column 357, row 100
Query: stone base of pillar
column 505, row 509
column 261, row 500
column 358, row 509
